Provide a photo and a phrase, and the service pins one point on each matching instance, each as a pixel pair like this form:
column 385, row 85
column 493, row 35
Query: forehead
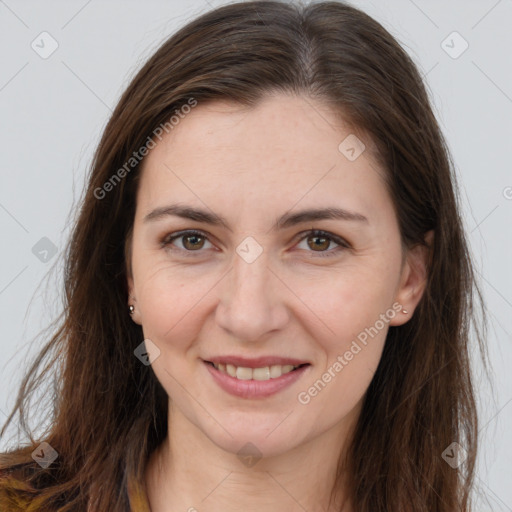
column 284, row 147
column 279, row 123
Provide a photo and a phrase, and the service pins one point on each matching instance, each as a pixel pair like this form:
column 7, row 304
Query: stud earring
column 404, row 311
column 131, row 308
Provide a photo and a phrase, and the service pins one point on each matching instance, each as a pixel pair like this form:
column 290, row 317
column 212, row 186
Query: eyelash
column 343, row 244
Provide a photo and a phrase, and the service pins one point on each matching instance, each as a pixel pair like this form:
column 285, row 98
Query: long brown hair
column 110, row 412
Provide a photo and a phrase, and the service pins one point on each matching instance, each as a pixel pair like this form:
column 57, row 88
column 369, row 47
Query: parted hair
column 109, row 412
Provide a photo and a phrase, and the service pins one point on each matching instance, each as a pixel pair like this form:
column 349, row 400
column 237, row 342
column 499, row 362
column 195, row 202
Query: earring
column 131, row 308
column 404, row 311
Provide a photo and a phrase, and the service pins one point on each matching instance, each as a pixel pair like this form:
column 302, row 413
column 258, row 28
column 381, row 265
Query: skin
column 290, row 301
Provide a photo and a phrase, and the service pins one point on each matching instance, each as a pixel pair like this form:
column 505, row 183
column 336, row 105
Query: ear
column 413, row 279
column 132, row 299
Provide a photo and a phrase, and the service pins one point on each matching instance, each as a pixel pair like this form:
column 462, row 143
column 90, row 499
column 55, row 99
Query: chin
column 252, row 438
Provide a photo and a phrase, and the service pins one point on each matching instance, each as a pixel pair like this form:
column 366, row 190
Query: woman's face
column 225, row 270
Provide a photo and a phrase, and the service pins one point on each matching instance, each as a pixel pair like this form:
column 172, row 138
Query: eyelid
column 169, row 238
column 341, row 242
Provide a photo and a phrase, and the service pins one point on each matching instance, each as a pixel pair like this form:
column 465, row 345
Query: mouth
column 260, row 373
column 255, row 378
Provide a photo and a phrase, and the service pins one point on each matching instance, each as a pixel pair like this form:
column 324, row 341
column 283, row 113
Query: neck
column 189, row 472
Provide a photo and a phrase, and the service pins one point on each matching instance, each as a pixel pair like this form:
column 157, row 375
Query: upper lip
column 257, row 362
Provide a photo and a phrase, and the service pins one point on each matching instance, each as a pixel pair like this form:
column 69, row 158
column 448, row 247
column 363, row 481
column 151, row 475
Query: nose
column 252, row 301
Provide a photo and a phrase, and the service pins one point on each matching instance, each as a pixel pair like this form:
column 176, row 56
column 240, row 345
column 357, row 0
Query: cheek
column 348, row 319
column 341, row 303
column 166, row 292
column 351, row 341
column 168, row 303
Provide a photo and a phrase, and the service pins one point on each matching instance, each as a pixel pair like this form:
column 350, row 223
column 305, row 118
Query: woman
column 268, row 287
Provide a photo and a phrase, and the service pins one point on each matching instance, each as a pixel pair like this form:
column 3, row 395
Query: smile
column 264, row 373
column 257, row 380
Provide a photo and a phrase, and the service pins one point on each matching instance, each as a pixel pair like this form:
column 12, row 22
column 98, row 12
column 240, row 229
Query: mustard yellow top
column 137, row 497
column 17, row 496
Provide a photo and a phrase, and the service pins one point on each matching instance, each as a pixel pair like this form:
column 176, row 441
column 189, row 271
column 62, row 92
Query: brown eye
column 193, row 242
column 319, row 243
column 190, row 241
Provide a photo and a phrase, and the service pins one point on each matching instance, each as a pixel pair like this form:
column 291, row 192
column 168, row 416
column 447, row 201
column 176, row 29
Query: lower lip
column 255, row 388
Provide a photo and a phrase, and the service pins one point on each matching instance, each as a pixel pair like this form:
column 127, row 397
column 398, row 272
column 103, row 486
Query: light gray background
column 53, row 111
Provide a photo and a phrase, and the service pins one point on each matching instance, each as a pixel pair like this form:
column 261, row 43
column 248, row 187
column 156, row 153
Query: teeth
column 261, row 373
column 230, row 369
column 244, row 373
column 265, row 373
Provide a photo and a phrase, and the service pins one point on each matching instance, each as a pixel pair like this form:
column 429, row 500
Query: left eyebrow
column 291, row 219
column 285, row 221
